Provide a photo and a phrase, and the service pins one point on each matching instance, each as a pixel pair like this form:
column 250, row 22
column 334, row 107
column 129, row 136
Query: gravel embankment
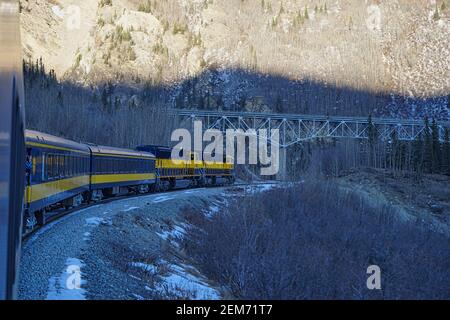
column 125, row 249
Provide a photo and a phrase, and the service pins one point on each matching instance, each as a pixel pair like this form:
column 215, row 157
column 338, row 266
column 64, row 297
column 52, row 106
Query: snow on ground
column 212, row 210
column 69, row 285
column 162, row 199
column 131, row 209
column 176, row 233
column 94, row 221
column 179, row 279
column 144, row 266
column 259, row 188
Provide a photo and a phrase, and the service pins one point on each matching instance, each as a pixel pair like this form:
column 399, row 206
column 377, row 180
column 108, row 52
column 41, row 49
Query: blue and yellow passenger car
column 58, row 172
column 114, row 168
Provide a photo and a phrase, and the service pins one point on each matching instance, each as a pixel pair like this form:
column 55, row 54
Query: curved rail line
column 58, row 215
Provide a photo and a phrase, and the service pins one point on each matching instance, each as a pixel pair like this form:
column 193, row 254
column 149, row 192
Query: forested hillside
column 388, row 58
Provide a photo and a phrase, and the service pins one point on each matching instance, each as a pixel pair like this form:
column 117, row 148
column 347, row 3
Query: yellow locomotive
column 194, row 172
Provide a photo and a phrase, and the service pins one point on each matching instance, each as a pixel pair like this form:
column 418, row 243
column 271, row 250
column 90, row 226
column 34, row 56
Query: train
column 40, row 172
column 66, row 174
column 12, row 147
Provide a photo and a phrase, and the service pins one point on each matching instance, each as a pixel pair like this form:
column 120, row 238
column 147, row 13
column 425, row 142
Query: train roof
column 154, row 147
column 161, row 152
column 105, row 150
column 46, row 140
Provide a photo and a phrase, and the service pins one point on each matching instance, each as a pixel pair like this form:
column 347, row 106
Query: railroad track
column 58, row 215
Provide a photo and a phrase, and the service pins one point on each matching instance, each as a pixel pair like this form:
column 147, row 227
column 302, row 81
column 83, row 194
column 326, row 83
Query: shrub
column 316, row 241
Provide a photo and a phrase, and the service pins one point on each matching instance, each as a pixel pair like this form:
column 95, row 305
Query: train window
column 63, row 164
column 48, row 166
column 70, row 166
column 73, row 166
column 65, row 170
column 79, row 166
column 83, row 164
column 83, row 159
column 54, row 166
column 58, row 166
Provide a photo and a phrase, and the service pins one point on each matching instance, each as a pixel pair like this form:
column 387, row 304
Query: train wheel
column 172, row 184
column 41, row 217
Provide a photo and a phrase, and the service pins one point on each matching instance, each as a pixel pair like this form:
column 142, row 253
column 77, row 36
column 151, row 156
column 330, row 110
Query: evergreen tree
column 279, row 104
column 428, row 148
column 436, row 15
column 281, row 9
column 435, row 147
column 446, row 152
column 105, row 99
column 60, row 98
column 394, row 151
column 417, row 154
column 117, row 103
column 372, row 134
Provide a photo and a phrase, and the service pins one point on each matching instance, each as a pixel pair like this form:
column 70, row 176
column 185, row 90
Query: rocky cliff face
column 325, row 56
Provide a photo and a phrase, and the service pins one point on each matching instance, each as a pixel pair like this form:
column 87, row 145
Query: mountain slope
column 231, row 51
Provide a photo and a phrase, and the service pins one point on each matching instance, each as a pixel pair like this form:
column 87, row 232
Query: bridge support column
column 282, row 172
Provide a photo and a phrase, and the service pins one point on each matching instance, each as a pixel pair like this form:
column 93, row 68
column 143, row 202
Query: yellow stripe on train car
column 214, row 165
column 110, row 155
column 113, row 178
column 172, row 164
column 44, row 190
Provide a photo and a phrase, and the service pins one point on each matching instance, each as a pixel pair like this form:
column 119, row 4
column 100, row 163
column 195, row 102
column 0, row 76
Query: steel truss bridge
column 298, row 128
